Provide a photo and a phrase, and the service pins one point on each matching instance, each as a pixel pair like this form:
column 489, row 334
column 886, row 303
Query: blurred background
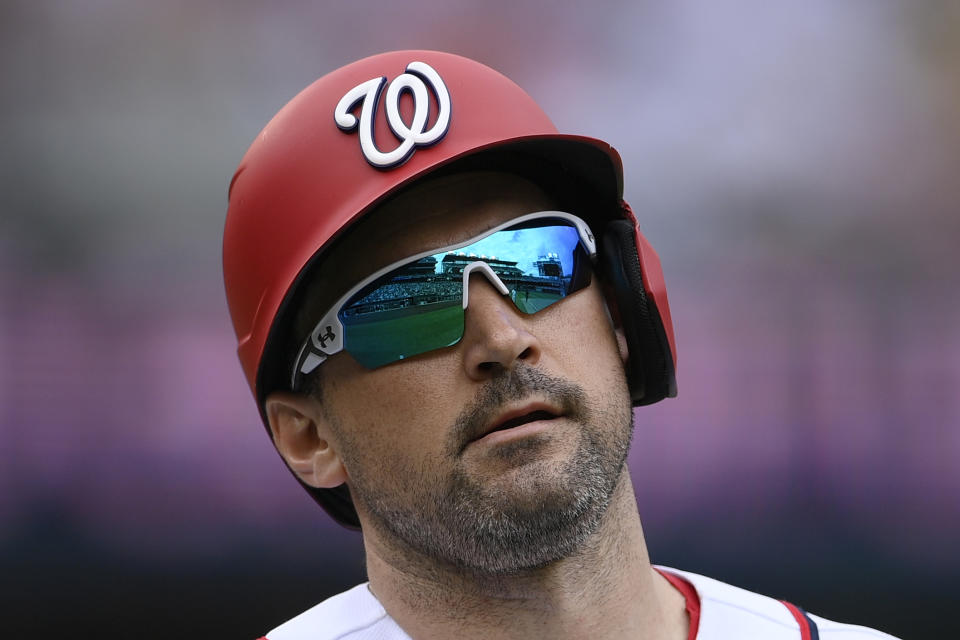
column 795, row 164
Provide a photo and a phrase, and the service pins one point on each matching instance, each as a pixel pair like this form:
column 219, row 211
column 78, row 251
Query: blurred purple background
column 795, row 164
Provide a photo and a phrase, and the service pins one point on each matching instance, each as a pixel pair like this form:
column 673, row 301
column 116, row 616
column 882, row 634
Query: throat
column 605, row 588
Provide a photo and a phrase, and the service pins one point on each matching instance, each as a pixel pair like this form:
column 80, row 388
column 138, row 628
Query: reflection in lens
column 380, row 338
column 417, row 307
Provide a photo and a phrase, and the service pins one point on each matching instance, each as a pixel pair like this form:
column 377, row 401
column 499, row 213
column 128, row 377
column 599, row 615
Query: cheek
column 582, row 334
column 395, row 416
column 582, row 346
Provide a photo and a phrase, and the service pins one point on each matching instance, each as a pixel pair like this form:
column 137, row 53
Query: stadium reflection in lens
column 417, row 307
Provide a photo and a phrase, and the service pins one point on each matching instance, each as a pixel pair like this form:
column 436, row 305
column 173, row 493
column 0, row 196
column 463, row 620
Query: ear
column 622, row 345
column 301, row 433
column 613, row 312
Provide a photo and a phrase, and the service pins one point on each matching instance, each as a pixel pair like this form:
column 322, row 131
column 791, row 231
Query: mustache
column 518, row 383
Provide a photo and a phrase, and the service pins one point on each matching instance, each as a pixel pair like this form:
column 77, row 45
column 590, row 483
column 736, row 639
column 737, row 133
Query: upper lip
column 527, row 412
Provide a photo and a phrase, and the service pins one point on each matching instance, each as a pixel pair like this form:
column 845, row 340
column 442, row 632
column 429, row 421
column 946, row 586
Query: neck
column 607, row 589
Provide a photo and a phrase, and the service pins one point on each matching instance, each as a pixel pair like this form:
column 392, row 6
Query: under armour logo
column 329, row 335
column 416, row 79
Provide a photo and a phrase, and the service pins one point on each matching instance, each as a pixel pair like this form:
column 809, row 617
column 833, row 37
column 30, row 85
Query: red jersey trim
column 692, row 600
column 808, row 630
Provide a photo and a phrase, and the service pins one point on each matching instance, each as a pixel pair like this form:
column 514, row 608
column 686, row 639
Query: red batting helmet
column 362, row 132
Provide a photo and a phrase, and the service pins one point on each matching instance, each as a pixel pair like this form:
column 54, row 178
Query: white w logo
column 418, row 75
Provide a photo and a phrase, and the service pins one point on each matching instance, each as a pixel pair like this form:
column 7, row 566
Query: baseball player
column 446, row 313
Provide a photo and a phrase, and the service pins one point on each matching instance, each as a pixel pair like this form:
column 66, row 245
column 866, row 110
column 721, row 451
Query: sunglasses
column 418, row 304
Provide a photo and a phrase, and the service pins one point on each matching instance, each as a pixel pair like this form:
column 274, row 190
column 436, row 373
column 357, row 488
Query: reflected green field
column 533, row 301
column 376, row 339
column 379, row 338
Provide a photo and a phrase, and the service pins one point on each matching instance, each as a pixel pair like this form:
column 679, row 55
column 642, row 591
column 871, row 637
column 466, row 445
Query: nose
column 495, row 333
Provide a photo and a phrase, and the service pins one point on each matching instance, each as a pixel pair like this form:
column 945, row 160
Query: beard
column 547, row 514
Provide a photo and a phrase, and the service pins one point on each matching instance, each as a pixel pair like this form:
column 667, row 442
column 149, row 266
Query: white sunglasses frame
column 326, row 339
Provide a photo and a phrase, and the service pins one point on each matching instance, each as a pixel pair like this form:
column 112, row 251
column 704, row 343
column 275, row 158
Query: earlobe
column 622, row 344
column 302, row 436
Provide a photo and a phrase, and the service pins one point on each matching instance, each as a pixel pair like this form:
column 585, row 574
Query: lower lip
column 522, row 431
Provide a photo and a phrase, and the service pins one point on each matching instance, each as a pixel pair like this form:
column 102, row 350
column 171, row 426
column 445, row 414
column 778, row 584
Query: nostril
column 486, row 366
column 526, row 353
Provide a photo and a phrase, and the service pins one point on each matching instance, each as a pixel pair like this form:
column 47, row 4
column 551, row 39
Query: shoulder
column 352, row 615
column 728, row 611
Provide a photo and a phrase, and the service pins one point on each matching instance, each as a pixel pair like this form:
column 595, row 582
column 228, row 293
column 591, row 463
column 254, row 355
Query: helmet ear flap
column 650, row 367
column 337, row 502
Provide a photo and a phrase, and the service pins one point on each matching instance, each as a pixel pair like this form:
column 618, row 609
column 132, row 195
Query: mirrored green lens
column 418, row 307
column 376, row 339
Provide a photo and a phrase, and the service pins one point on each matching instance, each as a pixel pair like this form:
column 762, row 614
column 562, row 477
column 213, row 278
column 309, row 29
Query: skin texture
column 525, row 533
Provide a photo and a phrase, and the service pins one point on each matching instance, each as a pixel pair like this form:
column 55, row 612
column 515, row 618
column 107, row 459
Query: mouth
column 514, row 419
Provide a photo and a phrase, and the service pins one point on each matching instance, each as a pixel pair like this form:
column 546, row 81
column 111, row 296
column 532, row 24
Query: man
column 446, row 313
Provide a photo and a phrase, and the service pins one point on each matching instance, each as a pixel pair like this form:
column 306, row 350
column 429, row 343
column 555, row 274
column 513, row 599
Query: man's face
column 501, row 452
